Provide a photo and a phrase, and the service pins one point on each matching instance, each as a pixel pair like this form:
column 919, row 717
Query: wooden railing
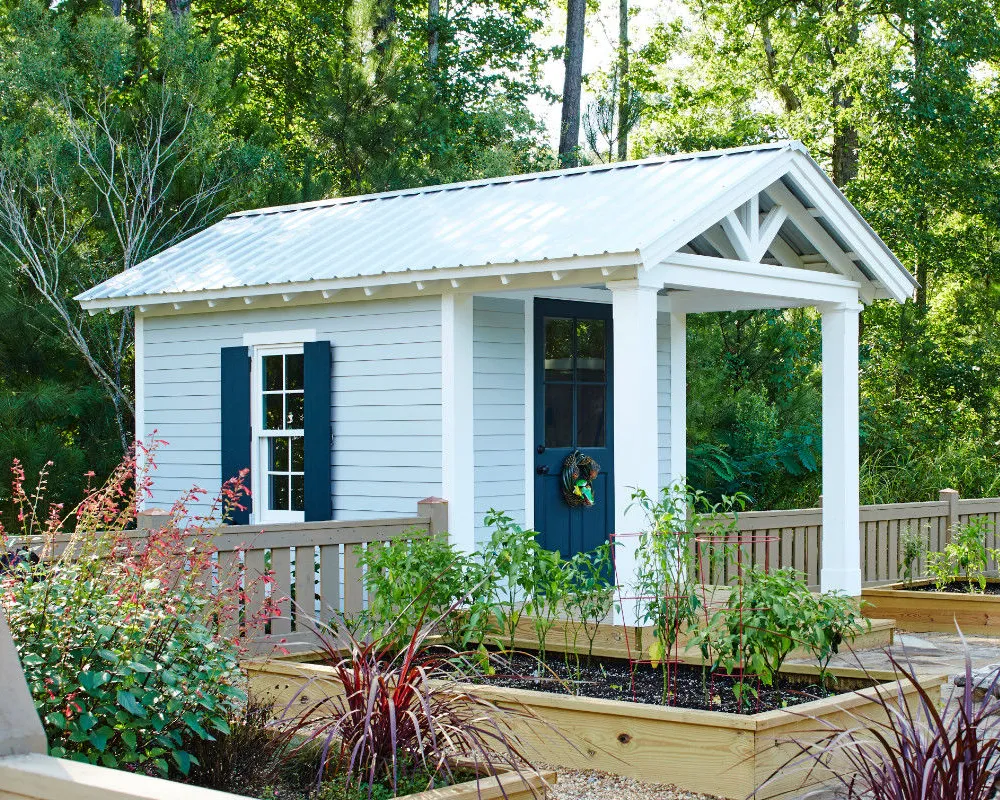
column 793, row 538
column 313, row 564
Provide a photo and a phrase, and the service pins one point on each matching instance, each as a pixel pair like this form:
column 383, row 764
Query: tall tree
column 623, row 80
column 569, row 127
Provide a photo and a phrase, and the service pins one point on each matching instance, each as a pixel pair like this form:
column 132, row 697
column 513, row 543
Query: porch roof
column 631, row 212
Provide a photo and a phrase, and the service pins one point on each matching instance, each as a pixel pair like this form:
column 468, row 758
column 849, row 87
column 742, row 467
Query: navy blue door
column 573, row 414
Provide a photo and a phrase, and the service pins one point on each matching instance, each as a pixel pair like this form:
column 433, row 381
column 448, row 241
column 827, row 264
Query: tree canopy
column 126, row 126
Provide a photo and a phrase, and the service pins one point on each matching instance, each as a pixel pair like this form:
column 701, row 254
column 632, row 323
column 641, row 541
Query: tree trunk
column 789, row 99
column 433, row 10
column 624, row 121
column 845, row 136
column 115, row 7
column 569, row 132
column 845, row 141
column 178, row 8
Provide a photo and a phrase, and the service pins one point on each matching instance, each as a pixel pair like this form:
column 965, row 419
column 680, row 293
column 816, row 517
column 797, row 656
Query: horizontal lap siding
column 498, row 408
column 386, row 398
column 663, row 395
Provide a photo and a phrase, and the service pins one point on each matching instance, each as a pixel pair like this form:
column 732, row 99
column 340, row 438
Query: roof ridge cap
column 331, row 202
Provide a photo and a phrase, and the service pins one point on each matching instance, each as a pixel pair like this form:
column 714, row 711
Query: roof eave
column 458, row 273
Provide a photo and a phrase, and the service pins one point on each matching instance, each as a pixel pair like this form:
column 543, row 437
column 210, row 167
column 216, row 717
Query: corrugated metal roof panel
column 591, row 211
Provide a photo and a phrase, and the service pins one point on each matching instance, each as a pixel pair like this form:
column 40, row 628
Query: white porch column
column 636, row 438
column 841, row 540
column 457, row 454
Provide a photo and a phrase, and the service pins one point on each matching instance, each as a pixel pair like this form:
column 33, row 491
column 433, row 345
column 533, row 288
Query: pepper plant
column 508, row 558
column 965, row 557
column 590, row 596
column 667, row 582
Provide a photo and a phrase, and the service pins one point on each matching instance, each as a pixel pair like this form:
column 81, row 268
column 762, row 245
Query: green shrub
column 121, row 638
column 425, row 579
column 965, row 557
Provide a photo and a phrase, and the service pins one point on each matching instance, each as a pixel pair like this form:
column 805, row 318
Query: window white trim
column 269, row 338
column 261, row 514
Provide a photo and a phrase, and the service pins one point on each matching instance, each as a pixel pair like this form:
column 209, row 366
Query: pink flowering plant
column 130, row 639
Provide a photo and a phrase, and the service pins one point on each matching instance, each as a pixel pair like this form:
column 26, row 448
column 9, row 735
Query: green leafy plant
column 127, row 641
column 912, row 545
column 667, row 581
column 590, row 596
column 827, row 622
column 548, row 581
column 760, row 624
column 965, row 557
column 425, row 576
column 508, row 558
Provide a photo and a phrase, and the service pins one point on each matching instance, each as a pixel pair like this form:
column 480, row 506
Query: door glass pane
column 558, row 415
column 295, row 417
column 277, row 455
column 273, row 408
column 591, row 344
column 293, row 371
column 590, row 416
column 279, row 492
column 558, row 348
column 272, row 373
column 298, row 499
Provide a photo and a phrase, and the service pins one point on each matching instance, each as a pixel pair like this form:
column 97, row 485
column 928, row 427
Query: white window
column 278, row 433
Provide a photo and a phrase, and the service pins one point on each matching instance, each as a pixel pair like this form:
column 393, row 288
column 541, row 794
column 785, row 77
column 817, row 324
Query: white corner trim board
column 263, row 338
column 457, row 446
column 529, row 412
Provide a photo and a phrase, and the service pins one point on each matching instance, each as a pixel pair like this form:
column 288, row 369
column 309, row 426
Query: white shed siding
column 663, row 394
column 386, row 398
column 498, row 403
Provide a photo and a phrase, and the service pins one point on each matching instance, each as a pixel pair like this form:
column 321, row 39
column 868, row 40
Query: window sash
column 261, row 436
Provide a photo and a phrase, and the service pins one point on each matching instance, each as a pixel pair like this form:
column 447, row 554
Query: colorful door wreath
column 579, row 472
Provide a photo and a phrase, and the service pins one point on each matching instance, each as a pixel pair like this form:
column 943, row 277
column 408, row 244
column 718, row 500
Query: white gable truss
column 761, row 222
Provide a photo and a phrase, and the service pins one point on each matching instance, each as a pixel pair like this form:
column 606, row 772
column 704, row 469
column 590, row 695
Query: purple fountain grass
column 913, row 748
column 403, row 710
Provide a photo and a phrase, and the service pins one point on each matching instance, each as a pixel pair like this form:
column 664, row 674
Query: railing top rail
column 287, row 534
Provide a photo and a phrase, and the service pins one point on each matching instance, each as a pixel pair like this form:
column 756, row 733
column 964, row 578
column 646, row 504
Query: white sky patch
column 598, row 51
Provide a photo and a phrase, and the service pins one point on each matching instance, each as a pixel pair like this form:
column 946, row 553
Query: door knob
column 543, row 469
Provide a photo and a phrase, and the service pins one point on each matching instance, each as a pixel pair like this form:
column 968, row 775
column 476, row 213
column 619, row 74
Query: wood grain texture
column 716, row 753
column 46, row 778
column 921, row 611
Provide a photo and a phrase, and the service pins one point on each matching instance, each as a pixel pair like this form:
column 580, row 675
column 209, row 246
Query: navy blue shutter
column 317, row 360
column 236, row 427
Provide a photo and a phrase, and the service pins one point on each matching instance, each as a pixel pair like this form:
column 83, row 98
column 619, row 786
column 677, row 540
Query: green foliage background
column 294, row 100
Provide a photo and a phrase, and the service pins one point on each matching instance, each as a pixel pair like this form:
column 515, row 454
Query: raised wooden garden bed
column 922, row 610
column 37, row 777
column 621, row 641
column 713, row 752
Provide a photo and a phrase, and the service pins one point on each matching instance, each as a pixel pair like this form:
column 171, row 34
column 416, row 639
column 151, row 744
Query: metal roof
column 590, row 211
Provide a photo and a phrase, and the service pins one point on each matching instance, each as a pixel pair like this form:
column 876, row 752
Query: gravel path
column 593, row 785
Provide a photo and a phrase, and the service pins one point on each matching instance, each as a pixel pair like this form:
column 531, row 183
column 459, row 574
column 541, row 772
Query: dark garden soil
column 687, row 686
column 956, row 587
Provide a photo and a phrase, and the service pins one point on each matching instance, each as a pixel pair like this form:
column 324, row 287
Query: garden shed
column 467, row 341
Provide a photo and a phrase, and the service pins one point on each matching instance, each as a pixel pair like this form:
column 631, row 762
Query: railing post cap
column 429, row 500
column 948, row 493
column 151, row 518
